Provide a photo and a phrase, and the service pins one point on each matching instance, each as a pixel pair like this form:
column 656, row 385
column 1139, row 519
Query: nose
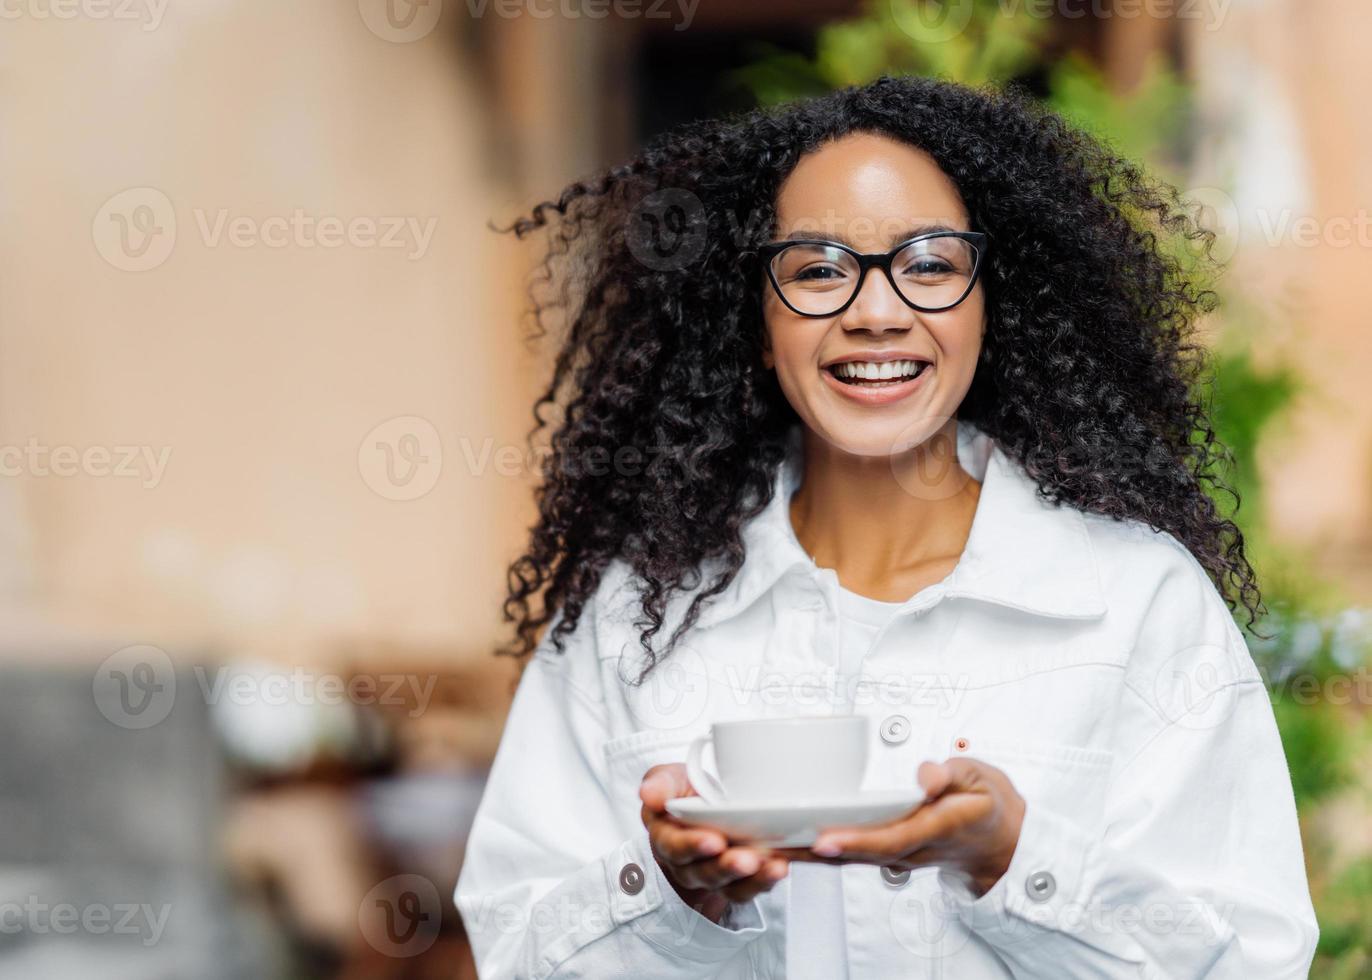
column 878, row 308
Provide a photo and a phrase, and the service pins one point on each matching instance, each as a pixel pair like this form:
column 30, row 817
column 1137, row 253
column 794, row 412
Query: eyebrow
column 905, row 235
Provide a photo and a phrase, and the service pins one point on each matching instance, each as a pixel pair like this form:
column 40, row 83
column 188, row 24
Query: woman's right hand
column 704, row 869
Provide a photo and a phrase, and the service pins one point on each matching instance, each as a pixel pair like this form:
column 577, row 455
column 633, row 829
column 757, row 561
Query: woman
column 884, row 403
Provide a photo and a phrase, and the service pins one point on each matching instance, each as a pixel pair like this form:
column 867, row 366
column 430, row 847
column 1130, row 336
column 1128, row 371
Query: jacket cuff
column 1040, row 890
column 661, row 917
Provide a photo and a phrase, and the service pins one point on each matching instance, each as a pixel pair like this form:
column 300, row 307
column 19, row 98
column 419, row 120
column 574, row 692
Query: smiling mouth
column 871, row 374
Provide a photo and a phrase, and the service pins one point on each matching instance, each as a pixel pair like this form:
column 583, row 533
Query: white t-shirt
column 816, row 906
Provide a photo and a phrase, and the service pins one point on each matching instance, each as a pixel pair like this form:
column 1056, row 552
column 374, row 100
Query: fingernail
column 747, row 864
column 709, row 845
column 826, row 849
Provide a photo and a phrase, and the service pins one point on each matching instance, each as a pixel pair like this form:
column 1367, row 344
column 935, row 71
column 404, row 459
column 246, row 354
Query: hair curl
column 671, row 428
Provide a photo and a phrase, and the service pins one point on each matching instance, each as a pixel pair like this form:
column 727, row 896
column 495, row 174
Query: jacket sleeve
column 1199, row 870
column 554, row 883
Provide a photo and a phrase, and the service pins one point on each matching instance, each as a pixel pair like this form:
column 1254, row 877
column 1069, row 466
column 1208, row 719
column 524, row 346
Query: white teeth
column 878, row 371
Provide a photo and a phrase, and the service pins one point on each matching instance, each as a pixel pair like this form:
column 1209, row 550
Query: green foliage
column 1145, row 124
column 1316, row 743
column 906, row 37
column 1245, row 403
column 1346, row 923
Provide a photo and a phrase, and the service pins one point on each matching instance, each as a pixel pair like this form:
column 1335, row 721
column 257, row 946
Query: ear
column 768, row 361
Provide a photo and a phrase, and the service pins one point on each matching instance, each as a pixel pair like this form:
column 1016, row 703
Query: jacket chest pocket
column 1070, row 780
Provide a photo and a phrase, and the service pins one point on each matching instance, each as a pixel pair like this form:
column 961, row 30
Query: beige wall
column 258, row 369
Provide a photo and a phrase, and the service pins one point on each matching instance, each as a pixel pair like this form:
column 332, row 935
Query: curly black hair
column 671, row 428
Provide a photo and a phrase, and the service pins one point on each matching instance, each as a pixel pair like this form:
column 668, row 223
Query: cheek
column 961, row 343
column 792, row 342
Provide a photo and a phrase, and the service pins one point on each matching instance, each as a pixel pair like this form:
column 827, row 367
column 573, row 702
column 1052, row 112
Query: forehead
column 867, row 190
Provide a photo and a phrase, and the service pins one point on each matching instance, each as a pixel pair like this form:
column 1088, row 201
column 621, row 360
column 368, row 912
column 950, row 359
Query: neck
column 881, row 522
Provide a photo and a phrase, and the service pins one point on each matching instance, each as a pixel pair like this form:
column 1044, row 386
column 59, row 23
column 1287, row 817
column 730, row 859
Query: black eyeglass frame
column 882, row 260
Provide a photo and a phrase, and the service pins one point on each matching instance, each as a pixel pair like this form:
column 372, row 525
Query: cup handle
column 705, row 784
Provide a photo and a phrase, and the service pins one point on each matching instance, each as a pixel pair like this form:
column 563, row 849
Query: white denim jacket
column 1090, row 659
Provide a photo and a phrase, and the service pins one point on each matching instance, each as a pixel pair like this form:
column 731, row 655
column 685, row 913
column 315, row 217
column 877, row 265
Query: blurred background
column 265, row 385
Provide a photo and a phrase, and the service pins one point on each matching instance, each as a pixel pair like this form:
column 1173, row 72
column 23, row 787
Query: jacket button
column 894, row 876
column 1040, row 886
column 895, row 729
column 961, row 745
column 631, row 879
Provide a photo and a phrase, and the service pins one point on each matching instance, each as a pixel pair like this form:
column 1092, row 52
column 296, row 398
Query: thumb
column 936, row 778
column 662, row 783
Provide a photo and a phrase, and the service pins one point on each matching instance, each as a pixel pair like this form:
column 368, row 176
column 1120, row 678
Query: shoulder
column 605, row 616
column 1159, row 594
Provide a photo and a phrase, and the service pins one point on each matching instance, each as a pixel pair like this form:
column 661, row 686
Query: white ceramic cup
column 779, row 760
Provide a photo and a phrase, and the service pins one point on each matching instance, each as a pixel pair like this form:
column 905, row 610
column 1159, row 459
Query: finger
column 662, row 783
column 807, row 855
column 773, row 870
column 887, row 841
column 715, row 873
column 679, row 843
column 935, row 778
column 972, row 775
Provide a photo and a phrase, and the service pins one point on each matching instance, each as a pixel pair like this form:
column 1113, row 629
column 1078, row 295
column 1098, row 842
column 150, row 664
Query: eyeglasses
column 930, row 272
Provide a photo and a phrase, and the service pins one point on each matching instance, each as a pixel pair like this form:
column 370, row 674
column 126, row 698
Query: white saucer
column 798, row 823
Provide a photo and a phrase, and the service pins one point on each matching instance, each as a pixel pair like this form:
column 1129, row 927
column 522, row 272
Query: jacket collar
column 1022, row 552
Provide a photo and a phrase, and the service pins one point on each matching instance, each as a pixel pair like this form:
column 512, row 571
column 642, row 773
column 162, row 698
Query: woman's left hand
column 969, row 823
